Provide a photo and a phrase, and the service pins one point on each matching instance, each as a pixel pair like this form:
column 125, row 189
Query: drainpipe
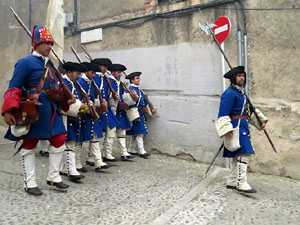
column 246, row 60
column 245, row 44
column 29, row 23
column 239, row 33
column 75, row 16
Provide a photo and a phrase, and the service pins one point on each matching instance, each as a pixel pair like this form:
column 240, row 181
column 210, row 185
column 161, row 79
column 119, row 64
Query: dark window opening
column 163, row 2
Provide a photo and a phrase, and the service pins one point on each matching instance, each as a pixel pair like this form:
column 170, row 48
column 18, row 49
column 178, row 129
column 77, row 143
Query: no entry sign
column 222, row 29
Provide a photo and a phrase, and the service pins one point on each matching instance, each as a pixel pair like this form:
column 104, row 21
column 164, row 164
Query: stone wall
column 274, row 77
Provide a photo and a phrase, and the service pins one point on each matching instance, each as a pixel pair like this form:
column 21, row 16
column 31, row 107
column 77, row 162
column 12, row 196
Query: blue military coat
column 108, row 119
column 124, row 122
column 231, row 104
column 26, row 76
column 88, row 126
column 139, row 127
column 73, row 124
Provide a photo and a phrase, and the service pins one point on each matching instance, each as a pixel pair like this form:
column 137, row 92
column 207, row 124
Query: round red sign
column 222, row 29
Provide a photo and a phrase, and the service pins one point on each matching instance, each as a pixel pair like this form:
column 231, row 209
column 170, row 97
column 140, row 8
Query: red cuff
column 12, row 98
column 64, row 104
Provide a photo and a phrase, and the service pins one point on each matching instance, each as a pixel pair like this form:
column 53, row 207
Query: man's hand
column 154, row 110
column 117, row 97
column 229, row 134
column 9, row 118
column 90, row 104
column 83, row 106
column 104, row 103
column 263, row 126
column 72, row 101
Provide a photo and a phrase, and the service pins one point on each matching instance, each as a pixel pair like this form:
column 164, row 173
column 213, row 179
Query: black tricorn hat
column 233, row 71
column 117, row 67
column 91, row 66
column 102, row 61
column 133, row 75
column 72, row 66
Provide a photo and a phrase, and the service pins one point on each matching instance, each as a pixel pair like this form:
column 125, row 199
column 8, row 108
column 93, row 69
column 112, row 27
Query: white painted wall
column 184, row 82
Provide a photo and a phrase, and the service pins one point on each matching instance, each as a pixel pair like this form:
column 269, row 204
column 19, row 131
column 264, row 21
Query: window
column 163, row 2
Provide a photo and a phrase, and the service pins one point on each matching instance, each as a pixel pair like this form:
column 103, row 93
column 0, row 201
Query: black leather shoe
column 34, row 191
column 145, row 155
column 98, row 169
column 72, row 177
column 126, row 158
column 110, row 160
column 75, row 177
column 83, row 169
column 106, row 166
column 133, row 153
column 63, row 174
column 89, row 163
column 250, row 191
column 44, row 153
column 230, row 187
column 60, row 185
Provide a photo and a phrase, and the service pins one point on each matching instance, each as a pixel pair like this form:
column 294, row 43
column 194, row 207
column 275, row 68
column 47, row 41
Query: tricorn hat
column 233, row 71
column 117, row 67
column 72, row 66
column 102, row 61
column 91, row 66
column 133, row 75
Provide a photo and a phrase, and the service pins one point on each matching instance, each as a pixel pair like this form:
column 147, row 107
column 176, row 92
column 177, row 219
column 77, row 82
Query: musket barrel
column 223, row 53
column 21, row 22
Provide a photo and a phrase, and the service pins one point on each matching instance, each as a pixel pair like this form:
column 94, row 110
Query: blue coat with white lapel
column 26, row 76
column 124, row 122
column 139, row 127
column 73, row 123
column 231, row 104
column 88, row 126
column 108, row 119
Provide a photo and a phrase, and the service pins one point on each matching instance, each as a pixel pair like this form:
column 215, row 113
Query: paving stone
column 138, row 192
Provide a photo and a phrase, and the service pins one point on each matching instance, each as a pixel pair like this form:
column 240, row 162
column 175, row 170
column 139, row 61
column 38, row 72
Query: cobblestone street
column 142, row 192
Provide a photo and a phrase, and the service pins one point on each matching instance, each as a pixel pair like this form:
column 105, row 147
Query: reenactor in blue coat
column 72, row 120
column 137, row 114
column 92, row 130
column 119, row 108
column 108, row 119
column 33, row 81
column 234, row 115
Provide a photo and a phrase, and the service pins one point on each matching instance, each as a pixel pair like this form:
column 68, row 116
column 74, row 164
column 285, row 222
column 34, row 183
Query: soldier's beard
column 241, row 83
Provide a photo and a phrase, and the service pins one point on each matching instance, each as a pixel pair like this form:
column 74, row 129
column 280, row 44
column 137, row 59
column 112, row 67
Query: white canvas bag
column 233, row 143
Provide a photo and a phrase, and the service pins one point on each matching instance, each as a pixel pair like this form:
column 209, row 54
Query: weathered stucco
column 181, row 69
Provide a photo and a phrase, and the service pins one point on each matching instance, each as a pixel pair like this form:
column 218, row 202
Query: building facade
column 182, row 67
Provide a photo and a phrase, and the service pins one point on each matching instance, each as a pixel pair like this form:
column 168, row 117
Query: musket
column 85, row 96
column 103, row 108
column 108, row 82
column 114, row 93
column 212, row 162
column 86, row 53
column 64, row 87
column 255, row 113
column 151, row 106
column 92, row 109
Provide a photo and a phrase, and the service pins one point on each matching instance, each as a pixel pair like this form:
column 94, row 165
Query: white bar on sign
column 91, row 36
column 221, row 29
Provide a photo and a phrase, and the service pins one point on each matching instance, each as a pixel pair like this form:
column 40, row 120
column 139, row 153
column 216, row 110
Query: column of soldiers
column 86, row 104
